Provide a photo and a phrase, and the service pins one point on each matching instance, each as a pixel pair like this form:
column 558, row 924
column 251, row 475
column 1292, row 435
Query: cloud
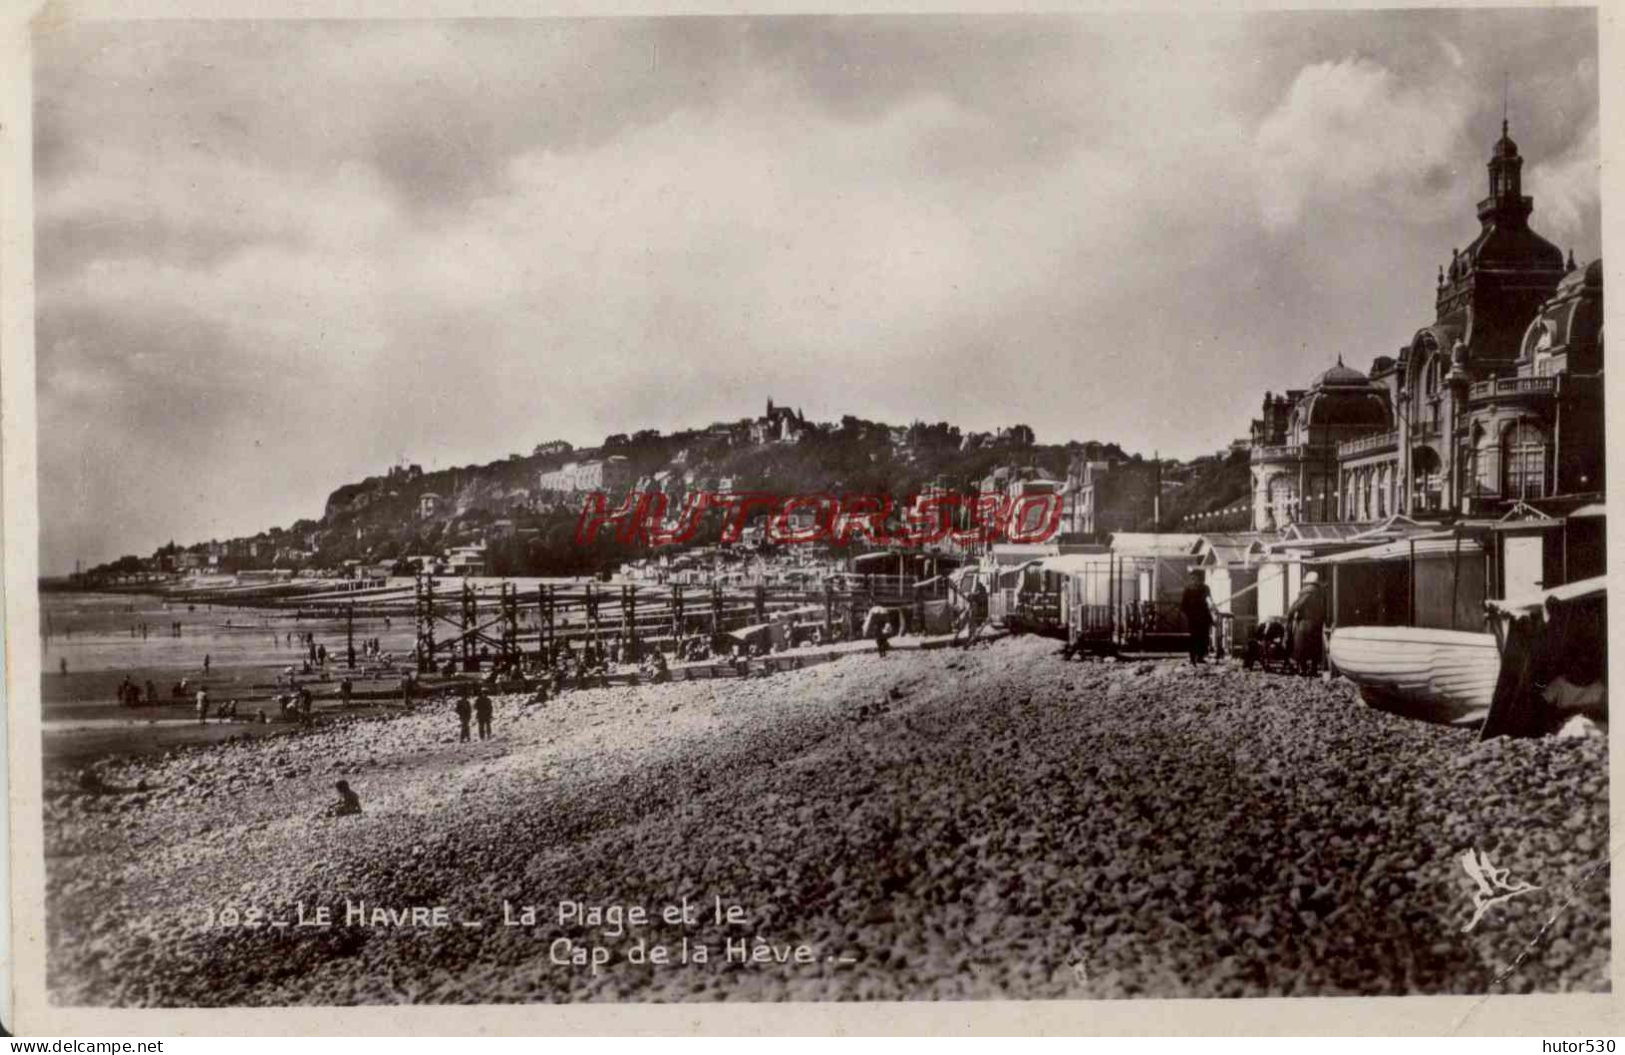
column 287, row 252
column 1351, row 131
column 1568, row 186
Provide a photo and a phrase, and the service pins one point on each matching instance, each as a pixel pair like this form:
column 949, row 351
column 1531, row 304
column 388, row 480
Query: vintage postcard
column 768, row 519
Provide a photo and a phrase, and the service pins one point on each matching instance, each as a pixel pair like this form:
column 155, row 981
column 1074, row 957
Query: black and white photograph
column 816, row 508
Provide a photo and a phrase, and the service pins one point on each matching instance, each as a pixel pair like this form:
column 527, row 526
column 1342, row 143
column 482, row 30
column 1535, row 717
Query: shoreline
column 101, row 731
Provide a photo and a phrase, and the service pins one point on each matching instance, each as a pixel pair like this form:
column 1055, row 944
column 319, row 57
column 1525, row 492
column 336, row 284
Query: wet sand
column 248, row 649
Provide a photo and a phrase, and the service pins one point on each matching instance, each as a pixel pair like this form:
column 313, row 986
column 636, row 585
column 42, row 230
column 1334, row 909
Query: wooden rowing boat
column 1436, row 675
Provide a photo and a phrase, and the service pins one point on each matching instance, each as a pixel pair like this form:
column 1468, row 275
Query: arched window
column 1523, row 460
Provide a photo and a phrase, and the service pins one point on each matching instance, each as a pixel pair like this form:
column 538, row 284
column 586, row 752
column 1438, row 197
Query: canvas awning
column 1308, row 546
column 1531, row 524
column 1404, row 549
column 1068, row 563
column 1531, row 603
column 1008, row 553
column 1146, row 544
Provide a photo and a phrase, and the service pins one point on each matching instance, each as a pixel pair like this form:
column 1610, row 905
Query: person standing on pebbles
column 1196, row 602
column 1308, row 619
column 482, row 712
column 464, row 713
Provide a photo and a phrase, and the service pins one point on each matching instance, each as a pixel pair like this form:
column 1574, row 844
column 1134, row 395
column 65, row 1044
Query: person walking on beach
column 202, row 706
column 482, row 713
column 464, row 712
column 63, row 664
column 207, row 660
column 1196, row 602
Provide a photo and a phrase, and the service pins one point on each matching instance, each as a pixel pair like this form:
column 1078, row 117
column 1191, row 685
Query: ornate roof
column 1341, row 376
column 1571, row 319
column 1343, row 396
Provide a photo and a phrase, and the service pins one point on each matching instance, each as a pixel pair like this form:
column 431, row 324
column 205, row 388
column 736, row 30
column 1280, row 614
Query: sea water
column 99, row 635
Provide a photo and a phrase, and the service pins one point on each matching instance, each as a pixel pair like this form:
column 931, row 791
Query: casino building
column 1494, row 407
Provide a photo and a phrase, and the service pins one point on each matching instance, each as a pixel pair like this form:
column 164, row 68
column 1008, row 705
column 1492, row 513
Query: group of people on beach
column 1296, row 640
column 480, row 709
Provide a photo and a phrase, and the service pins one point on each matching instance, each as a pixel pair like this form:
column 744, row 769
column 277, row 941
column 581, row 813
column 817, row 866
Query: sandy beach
column 990, row 822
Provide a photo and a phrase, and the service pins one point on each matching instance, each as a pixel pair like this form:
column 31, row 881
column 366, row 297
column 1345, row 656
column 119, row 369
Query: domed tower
column 1491, row 290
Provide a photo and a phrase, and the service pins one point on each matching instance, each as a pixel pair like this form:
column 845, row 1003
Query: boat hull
column 1436, row 675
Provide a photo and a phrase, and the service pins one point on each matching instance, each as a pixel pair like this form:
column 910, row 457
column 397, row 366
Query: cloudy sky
column 275, row 257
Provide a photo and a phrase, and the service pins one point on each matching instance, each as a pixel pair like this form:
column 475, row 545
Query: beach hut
column 1231, row 563
column 1004, row 567
column 1534, row 549
column 1159, row 564
column 1093, row 590
column 1435, row 579
column 1288, row 556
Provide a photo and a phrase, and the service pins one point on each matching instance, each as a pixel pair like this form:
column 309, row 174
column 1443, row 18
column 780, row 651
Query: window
column 1486, row 464
column 1426, row 482
column 1523, row 460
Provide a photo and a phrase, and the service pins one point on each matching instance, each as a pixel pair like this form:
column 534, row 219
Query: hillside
column 526, row 519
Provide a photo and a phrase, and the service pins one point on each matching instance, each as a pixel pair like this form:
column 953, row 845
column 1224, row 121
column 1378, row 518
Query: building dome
column 1341, row 376
column 1344, row 397
column 1347, row 407
column 1580, row 279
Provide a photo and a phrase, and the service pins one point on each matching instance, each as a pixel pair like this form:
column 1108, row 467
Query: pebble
column 1205, row 835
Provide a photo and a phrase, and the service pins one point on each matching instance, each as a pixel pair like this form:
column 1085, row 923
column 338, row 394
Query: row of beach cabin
column 1395, row 572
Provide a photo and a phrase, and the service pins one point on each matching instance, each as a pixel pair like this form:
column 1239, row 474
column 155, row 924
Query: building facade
column 604, row 474
column 1103, row 497
column 1497, row 400
column 1295, row 444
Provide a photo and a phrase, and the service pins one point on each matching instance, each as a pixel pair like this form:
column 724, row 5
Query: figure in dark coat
column 1308, row 618
column 464, row 712
column 1196, row 603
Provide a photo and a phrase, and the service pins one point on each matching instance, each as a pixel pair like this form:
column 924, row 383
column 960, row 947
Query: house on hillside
column 466, row 560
